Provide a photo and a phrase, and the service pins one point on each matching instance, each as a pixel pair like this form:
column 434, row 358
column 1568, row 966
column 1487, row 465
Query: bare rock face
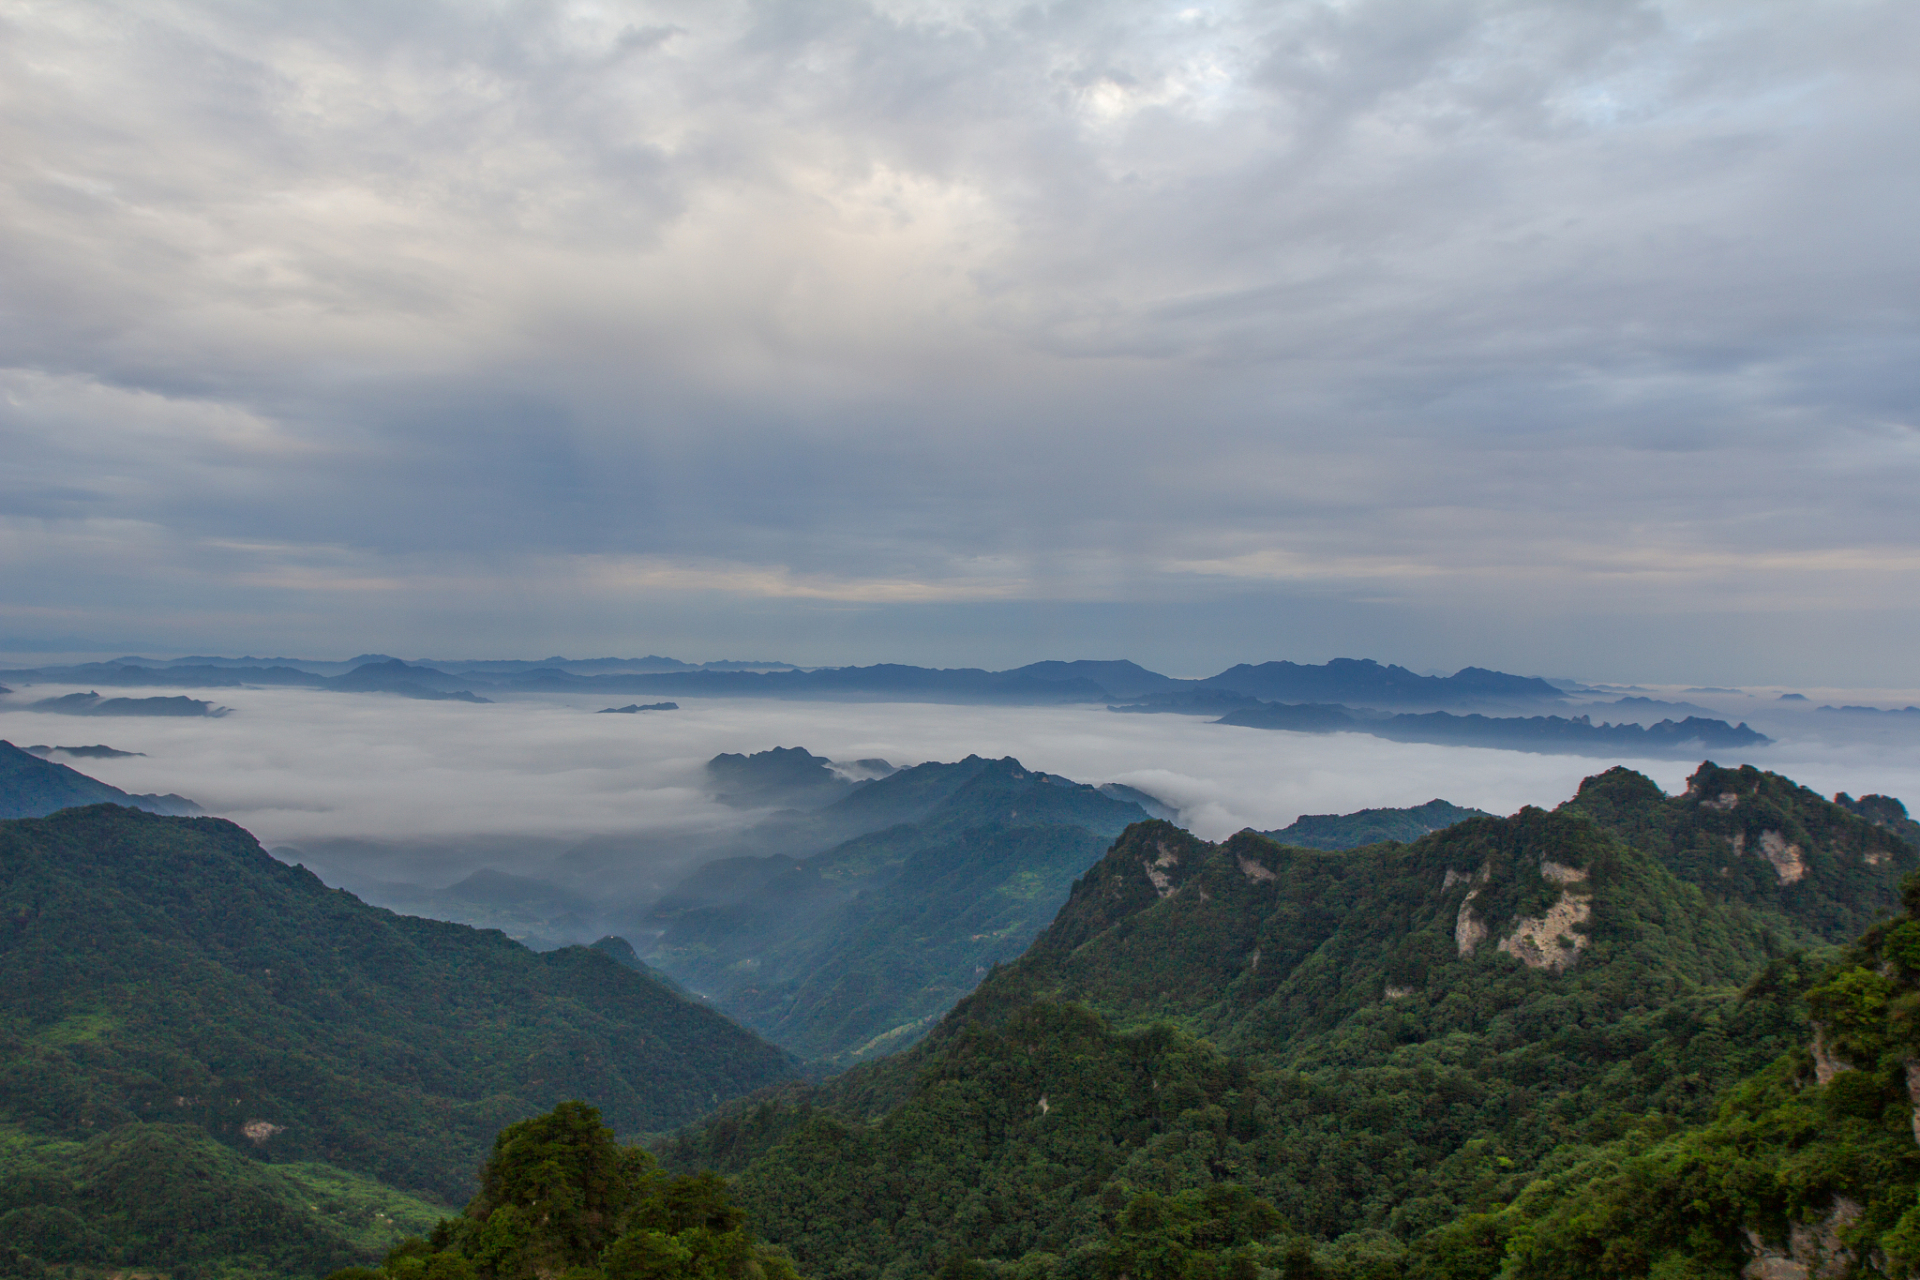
column 1157, row 869
column 1789, row 863
column 1469, row 930
column 1551, row 941
column 1913, row 1094
column 1825, row 1064
column 1812, row 1252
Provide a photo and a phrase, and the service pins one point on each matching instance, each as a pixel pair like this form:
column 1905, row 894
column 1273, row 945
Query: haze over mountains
column 1054, row 681
column 1271, row 695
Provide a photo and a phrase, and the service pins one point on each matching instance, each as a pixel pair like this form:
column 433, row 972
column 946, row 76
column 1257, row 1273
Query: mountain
column 785, row 777
column 1882, row 811
column 1119, row 679
column 397, row 677
column 1361, row 682
column 92, row 704
column 168, row 972
column 1364, row 681
column 855, row 951
column 1370, row 826
column 1571, row 735
column 167, row 1196
column 1379, row 1043
column 32, row 787
column 1810, row 1168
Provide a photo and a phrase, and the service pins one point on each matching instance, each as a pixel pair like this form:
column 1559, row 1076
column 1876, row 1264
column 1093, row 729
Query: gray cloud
column 1502, row 332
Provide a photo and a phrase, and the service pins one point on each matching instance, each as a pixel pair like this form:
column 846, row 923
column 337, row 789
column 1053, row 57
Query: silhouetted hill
column 1363, row 681
column 1119, row 679
column 32, row 787
column 1357, row 682
column 1568, row 735
column 397, row 677
column 781, row 777
column 1370, row 826
column 92, row 704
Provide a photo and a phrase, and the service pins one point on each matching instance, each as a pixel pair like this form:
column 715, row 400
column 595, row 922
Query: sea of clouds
column 371, row 788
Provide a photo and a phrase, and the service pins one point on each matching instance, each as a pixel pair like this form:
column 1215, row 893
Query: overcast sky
column 1573, row 339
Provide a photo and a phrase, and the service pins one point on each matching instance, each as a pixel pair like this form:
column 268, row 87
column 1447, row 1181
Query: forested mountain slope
column 855, row 951
column 169, row 970
column 1379, row 1042
column 1811, row 1168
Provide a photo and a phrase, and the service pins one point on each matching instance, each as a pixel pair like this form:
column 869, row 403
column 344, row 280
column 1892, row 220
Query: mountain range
column 1360, row 681
column 1390, row 1045
column 1636, row 1035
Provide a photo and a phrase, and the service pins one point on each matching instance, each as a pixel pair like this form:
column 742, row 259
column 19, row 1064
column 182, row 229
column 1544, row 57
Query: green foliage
column 559, row 1197
column 210, row 1060
column 1714, row 836
column 1325, row 1031
column 855, row 952
column 167, row 969
column 1371, row 826
column 167, row 1195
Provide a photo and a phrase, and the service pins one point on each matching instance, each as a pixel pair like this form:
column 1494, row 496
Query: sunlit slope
column 1379, row 1040
column 170, row 1196
column 167, row 969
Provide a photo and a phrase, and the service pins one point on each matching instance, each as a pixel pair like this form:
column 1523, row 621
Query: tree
column 560, row 1199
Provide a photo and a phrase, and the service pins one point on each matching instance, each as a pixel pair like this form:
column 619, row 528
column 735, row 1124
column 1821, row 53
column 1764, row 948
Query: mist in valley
column 537, row 816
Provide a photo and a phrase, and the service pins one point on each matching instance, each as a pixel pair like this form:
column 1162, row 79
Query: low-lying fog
column 371, row 788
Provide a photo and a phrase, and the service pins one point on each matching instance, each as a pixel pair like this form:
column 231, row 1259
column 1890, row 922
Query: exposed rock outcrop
column 1789, row 863
column 1812, row 1252
column 1551, row 941
column 1157, row 869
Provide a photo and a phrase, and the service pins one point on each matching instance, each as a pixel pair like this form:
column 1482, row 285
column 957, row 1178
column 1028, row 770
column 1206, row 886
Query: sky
column 1574, row 340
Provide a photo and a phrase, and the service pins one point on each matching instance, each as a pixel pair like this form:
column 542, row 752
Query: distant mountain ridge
column 1361, row 681
column 1370, row 826
column 1565, row 735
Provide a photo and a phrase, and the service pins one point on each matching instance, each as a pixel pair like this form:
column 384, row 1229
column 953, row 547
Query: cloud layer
column 1520, row 333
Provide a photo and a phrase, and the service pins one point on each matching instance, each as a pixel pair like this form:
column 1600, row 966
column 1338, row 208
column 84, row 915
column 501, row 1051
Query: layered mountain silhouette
column 855, row 951
column 1344, row 680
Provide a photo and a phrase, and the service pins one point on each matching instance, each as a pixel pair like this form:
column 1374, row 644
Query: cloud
column 1479, row 313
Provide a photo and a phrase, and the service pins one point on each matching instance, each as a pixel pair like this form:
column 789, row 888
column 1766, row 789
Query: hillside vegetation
column 854, row 952
column 1385, row 1047
column 176, row 997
